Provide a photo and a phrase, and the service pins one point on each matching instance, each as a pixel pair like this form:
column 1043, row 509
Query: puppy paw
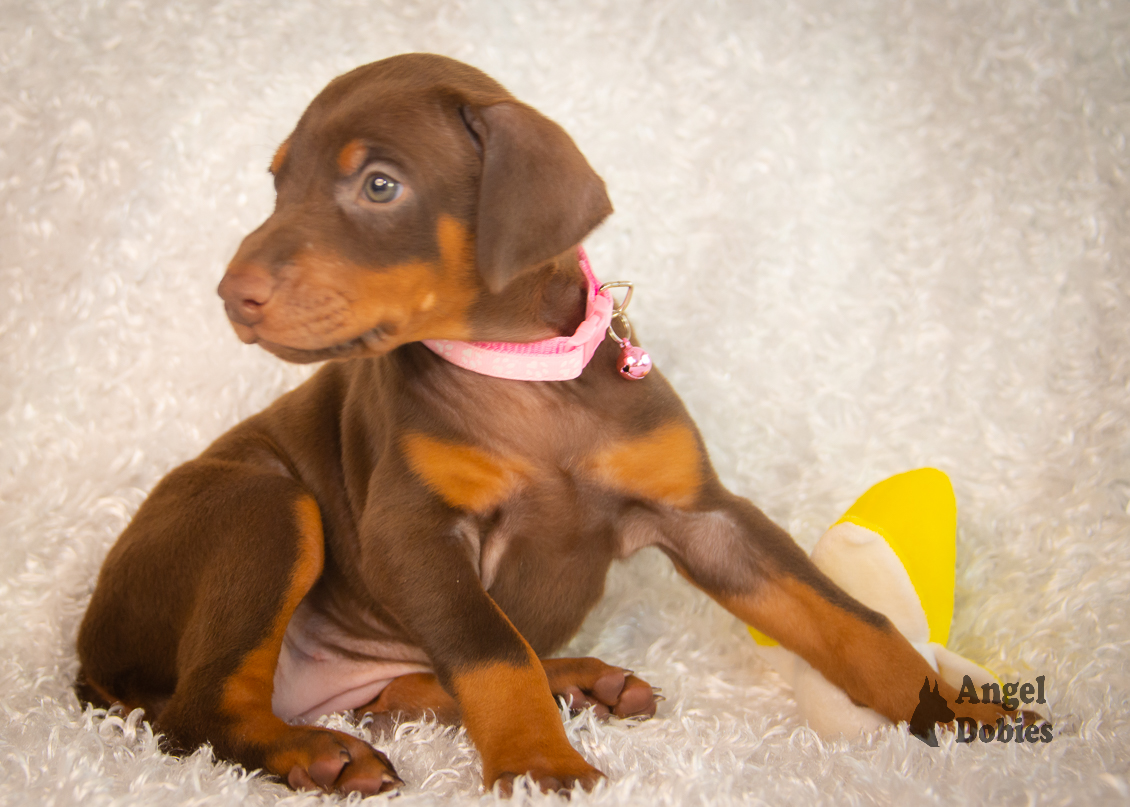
column 589, row 682
column 332, row 761
column 551, row 778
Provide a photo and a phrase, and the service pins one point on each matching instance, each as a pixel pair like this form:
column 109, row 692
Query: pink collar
column 558, row 359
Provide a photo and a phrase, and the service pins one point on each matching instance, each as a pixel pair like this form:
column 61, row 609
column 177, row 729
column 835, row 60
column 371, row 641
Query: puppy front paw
column 321, row 759
column 550, row 776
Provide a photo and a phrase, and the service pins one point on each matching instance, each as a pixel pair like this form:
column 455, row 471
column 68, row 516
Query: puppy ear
column 538, row 195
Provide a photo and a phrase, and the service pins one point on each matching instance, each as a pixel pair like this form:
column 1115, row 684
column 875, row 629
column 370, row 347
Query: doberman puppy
column 402, row 535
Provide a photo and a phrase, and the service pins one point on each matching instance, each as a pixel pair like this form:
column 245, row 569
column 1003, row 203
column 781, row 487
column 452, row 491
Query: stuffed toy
column 894, row 550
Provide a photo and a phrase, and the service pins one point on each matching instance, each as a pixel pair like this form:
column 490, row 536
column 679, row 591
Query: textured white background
column 867, row 236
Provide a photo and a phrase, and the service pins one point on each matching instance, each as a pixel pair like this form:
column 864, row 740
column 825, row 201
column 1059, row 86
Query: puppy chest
column 543, row 555
column 663, row 466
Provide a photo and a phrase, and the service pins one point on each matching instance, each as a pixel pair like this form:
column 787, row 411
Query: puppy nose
column 246, row 289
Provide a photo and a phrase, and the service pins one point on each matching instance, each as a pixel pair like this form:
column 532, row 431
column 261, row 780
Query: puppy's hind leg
column 200, row 589
column 581, row 682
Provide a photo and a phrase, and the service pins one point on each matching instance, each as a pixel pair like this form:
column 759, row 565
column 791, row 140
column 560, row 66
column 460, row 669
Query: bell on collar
column 634, row 362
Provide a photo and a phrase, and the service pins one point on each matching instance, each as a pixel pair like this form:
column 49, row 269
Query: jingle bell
column 634, row 361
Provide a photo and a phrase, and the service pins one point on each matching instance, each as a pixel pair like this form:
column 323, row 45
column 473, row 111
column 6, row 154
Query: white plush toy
column 894, row 550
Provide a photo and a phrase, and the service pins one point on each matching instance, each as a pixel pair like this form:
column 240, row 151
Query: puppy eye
column 381, row 188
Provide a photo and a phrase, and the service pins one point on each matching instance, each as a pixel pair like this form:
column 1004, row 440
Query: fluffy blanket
column 867, row 236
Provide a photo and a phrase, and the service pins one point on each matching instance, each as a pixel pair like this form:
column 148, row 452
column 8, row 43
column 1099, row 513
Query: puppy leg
column 582, row 682
column 435, row 594
column 190, row 613
column 729, row 549
column 413, row 697
column 500, row 688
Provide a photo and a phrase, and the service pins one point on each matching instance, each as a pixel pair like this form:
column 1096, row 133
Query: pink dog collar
column 557, row 359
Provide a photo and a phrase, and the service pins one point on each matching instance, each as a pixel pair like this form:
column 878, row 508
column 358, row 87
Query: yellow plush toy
column 894, row 550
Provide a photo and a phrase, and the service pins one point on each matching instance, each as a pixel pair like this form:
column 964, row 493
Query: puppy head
column 410, row 188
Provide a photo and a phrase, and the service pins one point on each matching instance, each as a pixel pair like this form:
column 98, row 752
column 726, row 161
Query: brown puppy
column 401, row 535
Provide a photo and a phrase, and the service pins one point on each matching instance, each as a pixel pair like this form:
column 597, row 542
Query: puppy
column 415, row 528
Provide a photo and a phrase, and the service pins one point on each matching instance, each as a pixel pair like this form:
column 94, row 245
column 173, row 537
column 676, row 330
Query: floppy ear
column 538, row 195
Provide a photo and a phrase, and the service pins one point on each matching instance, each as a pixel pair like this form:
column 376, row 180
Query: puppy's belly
column 322, row 669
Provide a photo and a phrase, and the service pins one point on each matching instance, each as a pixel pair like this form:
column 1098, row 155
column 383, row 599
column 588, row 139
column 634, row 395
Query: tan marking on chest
column 465, row 476
column 664, row 465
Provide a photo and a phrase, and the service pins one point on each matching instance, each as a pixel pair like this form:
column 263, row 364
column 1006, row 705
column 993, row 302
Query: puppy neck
column 540, row 303
column 556, row 357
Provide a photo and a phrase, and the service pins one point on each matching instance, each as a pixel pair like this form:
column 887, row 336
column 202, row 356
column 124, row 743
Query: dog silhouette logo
column 932, row 709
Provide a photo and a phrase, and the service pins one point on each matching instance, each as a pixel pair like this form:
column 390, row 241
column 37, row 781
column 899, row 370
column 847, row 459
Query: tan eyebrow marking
column 280, row 157
column 351, row 157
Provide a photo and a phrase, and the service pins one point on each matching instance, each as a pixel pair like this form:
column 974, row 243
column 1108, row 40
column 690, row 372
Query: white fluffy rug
column 867, row 236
